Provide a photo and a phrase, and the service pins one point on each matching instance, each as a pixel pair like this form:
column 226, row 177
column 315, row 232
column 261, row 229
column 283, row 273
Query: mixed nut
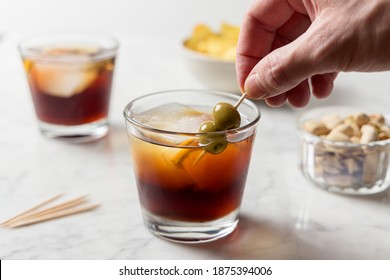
column 348, row 166
column 359, row 128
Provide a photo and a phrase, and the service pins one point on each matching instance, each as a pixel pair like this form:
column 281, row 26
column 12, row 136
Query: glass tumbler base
column 75, row 133
column 191, row 232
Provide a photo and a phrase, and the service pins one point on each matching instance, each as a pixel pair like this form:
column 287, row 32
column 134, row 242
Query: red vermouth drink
column 70, row 94
column 70, row 84
column 175, row 185
column 187, row 194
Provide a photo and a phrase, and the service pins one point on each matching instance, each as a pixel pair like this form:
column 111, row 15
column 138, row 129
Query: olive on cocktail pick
column 207, row 126
column 215, row 143
column 217, row 146
column 225, row 117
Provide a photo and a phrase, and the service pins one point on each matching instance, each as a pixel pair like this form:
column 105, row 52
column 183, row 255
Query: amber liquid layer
column 89, row 103
column 194, row 192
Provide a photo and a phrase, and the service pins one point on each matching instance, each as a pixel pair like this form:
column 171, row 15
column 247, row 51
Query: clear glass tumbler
column 70, row 78
column 343, row 167
column 187, row 193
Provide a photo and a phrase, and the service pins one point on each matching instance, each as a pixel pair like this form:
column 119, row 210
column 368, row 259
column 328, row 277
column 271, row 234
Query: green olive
column 207, row 126
column 213, row 143
column 217, row 146
column 225, row 116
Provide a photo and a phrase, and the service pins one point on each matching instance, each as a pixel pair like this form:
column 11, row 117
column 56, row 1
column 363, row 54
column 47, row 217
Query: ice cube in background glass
column 72, row 73
column 63, row 80
column 173, row 117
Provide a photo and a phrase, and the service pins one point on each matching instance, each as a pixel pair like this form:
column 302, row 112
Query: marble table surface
column 283, row 216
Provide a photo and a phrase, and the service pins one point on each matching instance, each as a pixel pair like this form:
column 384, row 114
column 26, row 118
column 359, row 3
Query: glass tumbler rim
column 253, row 122
column 32, row 45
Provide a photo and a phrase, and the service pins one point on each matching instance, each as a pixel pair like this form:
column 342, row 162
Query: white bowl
column 213, row 73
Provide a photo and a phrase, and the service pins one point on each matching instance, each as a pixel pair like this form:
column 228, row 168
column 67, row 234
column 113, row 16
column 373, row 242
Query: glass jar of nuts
column 345, row 150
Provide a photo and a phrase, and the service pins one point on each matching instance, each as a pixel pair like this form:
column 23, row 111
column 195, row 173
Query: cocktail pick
column 240, row 100
column 243, row 96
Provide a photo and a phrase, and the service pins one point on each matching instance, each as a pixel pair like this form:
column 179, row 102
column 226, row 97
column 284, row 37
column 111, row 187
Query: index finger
column 257, row 33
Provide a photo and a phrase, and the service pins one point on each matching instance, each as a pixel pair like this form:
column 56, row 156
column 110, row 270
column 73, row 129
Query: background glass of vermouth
column 70, row 77
column 187, row 194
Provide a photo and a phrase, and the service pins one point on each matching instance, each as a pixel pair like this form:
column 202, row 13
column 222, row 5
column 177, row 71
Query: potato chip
column 201, row 31
column 221, row 45
column 230, row 31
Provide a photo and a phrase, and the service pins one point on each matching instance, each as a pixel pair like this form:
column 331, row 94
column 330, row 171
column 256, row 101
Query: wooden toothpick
column 31, row 210
column 240, row 100
column 36, row 214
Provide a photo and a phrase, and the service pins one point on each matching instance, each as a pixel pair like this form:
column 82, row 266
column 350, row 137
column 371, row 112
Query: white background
column 283, row 215
column 155, row 18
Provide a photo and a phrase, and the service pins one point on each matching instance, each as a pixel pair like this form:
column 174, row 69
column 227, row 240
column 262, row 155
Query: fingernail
column 253, row 87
